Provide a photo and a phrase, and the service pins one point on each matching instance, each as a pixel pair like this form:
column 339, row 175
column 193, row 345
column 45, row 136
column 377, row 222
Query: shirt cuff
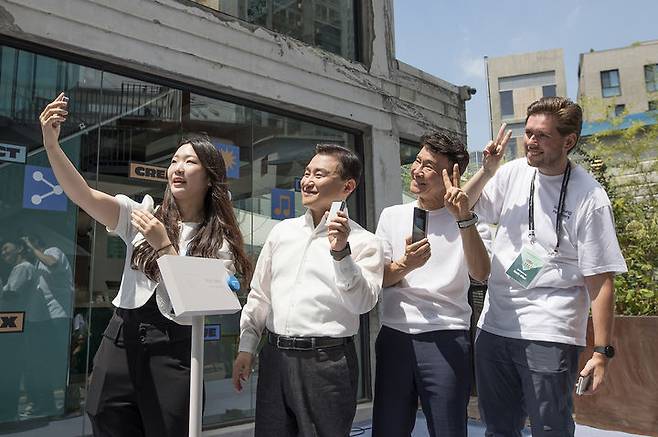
column 248, row 343
column 345, row 270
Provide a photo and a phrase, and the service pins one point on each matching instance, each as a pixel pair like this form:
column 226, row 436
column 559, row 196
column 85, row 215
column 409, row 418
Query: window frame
column 360, row 195
column 607, row 83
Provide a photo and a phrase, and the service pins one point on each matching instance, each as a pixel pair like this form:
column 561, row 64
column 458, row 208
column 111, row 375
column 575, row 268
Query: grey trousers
column 306, row 393
column 517, row 379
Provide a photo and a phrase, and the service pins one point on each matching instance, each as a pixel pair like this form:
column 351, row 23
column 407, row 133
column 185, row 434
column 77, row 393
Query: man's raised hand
column 494, row 151
column 455, row 199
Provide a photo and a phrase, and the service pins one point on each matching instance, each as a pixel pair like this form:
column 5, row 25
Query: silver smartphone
column 583, row 384
column 419, row 226
column 336, row 206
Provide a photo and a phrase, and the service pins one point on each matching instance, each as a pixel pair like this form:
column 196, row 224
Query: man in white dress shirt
column 312, row 281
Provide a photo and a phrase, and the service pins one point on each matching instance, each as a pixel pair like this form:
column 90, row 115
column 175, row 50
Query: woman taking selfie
column 140, row 380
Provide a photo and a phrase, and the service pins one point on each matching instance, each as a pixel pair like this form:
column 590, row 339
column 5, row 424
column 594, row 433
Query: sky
column 449, row 38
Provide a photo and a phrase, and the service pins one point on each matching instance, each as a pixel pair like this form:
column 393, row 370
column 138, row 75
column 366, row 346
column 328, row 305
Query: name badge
column 527, row 265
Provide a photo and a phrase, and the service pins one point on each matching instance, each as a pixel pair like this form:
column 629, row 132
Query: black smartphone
column 419, row 228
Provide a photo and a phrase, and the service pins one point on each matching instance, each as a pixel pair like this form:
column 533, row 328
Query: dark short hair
column 569, row 115
column 349, row 164
column 448, row 145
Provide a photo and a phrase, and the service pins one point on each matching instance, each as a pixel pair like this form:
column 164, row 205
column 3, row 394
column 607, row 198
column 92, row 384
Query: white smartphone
column 583, row 384
column 336, row 206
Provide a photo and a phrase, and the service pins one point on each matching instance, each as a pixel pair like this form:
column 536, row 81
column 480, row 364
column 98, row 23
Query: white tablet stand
column 197, row 287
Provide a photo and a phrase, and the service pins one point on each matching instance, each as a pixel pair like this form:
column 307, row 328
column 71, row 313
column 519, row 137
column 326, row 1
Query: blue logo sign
column 283, row 204
column 231, row 155
column 41, row 190
column 212, row 332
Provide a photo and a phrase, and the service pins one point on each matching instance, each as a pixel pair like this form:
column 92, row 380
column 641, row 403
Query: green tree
column 624, row 159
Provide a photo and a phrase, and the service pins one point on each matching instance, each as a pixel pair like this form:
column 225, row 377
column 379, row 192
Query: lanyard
column 560, row 206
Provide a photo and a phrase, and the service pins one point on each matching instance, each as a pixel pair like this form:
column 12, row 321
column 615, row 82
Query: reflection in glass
column 62, row 270
column 328, row 24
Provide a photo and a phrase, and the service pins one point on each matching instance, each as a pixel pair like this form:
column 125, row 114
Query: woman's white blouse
column 136, row 288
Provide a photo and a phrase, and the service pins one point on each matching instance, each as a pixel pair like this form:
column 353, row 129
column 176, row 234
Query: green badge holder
column 526, row 267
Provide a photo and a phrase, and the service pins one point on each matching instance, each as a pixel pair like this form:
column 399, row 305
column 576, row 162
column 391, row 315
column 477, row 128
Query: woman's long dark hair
column 219, row 221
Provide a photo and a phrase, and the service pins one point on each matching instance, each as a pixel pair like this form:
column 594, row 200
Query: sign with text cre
column 148, row 172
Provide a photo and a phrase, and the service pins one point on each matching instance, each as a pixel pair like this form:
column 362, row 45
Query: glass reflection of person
column 46, row 371
column 140, row 378
column 15, row 296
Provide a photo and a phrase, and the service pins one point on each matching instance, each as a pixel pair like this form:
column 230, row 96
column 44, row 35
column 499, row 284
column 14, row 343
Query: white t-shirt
column 434, row 296
column 136, row 288
column 557, row 306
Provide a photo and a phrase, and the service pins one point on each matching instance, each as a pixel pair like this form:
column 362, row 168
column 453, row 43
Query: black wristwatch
column 340, row 254
column 607, row 351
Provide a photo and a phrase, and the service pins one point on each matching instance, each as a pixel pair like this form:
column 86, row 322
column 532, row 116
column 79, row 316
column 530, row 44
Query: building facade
column 620, row 81
column 618, row 89
column 265, row 80
column 514, row 82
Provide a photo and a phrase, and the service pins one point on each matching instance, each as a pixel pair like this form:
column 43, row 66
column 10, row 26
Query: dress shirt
column 298, row 289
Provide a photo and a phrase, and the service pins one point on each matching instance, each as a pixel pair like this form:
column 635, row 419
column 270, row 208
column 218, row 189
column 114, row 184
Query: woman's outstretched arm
column 101, row 206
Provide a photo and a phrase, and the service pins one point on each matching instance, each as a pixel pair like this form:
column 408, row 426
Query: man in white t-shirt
column 423, row 349
column 555, row 251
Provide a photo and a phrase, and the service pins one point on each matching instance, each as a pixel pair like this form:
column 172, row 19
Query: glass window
column 610, row 83
column 116, row 125
column 408, row 152
column 619, row 110
column 651, row 77
column 507, row 104
column 328, row 24
column 549, row 90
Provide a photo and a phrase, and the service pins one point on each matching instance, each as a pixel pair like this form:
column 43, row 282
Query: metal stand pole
column 196, row 377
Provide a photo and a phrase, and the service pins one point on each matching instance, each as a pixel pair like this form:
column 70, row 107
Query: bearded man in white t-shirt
column 423, row 349
column 555, row 252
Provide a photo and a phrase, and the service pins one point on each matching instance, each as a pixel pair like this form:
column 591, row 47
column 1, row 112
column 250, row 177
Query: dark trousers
column 520, row 378
column 306, row 393
column 140, row 384
column 435, row 366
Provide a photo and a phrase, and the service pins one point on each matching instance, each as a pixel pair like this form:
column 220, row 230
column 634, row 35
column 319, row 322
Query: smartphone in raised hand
column 419, row 225
column 336, row 206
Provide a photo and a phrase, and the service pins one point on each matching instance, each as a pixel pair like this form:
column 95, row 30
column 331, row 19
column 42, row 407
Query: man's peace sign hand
column 494, row 151
column 455, row 199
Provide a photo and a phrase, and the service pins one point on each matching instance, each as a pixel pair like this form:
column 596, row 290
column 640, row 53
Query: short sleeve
column 124, row 228
column 487, row 205
column 55, row 253
column 598, row 248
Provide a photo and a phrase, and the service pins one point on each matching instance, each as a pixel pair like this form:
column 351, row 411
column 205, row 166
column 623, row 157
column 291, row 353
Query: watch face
column 609, row 351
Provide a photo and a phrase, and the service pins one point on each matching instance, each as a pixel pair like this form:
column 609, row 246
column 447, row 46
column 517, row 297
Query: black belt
column 305, row 343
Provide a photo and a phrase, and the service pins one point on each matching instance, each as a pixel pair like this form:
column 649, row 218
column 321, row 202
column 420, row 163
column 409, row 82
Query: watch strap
column 463, row 224
column 338, row 255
